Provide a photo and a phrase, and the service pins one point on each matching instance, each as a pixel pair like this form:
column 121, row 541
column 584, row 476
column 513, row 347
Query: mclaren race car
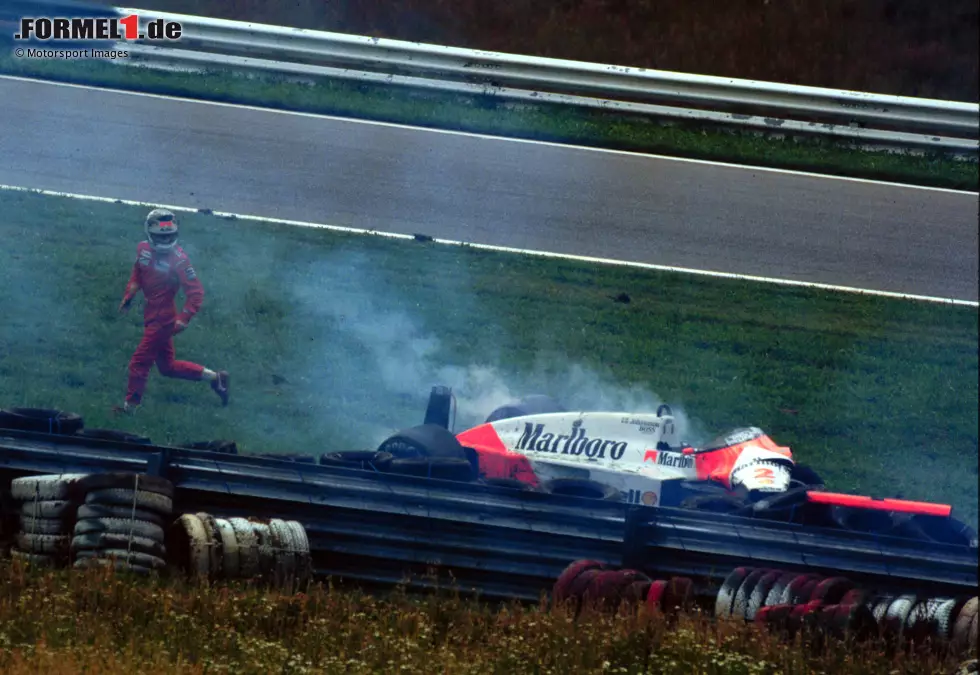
column 536, row 444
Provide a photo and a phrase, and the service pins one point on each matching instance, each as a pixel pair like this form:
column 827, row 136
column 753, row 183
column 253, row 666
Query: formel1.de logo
column 96, row 28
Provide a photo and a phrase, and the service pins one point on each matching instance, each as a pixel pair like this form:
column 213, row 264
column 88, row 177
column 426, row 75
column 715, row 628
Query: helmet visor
column 163, row 238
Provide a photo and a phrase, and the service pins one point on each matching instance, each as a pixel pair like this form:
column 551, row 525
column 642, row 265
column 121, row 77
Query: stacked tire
column 46, row 509
column 209, row 548
column 593, row 584
column 121, row 522
column 821, row 606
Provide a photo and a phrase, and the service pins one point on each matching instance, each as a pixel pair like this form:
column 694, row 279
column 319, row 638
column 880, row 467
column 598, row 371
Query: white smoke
column 377, row 361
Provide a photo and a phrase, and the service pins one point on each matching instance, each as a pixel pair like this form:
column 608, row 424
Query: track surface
column 525, row 195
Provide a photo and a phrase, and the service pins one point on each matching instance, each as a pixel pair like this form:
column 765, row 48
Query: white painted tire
column 266, row 547
column 197, row 543
column 49, row 487
column 229, row 549
column 215, row 552
column 248, row 548
column 285, row 547
column 303, row 563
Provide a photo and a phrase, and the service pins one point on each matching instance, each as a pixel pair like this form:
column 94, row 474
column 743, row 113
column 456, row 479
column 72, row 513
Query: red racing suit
column 160, row 276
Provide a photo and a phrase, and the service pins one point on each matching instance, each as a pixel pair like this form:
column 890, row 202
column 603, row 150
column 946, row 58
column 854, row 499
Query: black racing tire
column 536, row 404
column 579, row 487
column 715, row 503
column 114, row 435
column 424, row 440
column 44, row 420
column 944, row 530
column 509, row 484
column 365, row 460
column 436, row 467
column 121, row 480
column 224, row 447
column 872, row 521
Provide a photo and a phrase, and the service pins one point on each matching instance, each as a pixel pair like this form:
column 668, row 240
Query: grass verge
column 95, row 621
column 483, row 114
column 333, row 341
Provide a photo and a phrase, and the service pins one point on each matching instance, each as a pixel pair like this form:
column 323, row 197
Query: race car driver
column 161, row 269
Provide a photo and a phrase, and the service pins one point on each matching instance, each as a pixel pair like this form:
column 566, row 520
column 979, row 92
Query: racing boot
column 220, row 386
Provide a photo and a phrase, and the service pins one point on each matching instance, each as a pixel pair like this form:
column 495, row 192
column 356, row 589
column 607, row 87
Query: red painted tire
column 579, row 585
column 831, row 590
column 559, row 592
column 655, row 597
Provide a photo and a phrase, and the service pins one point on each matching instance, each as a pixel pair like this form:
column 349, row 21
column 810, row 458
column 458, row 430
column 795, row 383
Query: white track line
column 508, row 139
column 502, row 249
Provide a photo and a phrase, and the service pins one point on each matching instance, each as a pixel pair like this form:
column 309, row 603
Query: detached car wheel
column 424, row 440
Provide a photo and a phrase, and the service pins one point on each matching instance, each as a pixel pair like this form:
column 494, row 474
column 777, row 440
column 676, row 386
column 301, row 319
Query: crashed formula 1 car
column 536, row 444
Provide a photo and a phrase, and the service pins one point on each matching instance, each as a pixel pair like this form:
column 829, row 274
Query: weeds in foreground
column 57, row 622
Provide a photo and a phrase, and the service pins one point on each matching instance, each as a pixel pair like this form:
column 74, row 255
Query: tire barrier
column 207, row 548
column 124, row 520
column 589, row 584
column 120, row 522
column 45, row 510
column 786, row 603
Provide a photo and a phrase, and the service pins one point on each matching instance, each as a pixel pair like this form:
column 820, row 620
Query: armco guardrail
column 378, row 527
column 854, row 116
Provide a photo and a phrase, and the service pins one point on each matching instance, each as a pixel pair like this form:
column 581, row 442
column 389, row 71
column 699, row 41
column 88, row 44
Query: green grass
column 58, row 623
column 482, row 114
column 333, row 341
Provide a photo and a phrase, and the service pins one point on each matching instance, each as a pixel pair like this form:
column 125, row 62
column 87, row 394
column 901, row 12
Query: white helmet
column 161, row 229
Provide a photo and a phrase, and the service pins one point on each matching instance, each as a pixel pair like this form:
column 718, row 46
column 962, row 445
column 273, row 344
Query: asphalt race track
column 524, row 195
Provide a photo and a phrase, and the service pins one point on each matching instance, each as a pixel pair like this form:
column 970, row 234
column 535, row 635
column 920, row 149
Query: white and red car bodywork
column 638, row 454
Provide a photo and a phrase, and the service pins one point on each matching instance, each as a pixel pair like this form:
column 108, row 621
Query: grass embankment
column 58, row 623
column 483, row 114
column 333, row 341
